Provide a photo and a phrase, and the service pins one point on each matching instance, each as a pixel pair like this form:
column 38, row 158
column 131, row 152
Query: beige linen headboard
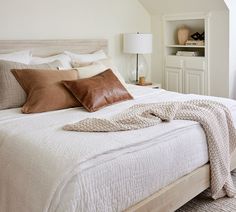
column 51, row 47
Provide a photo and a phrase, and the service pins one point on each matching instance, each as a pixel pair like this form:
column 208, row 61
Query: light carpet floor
column 203, row 203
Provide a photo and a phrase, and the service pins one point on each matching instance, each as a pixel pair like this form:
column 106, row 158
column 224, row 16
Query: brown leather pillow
column 44, row 89
column 11, row 93
column 98, row 91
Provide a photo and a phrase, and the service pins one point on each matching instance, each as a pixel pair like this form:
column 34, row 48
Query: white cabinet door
column 194, row 81
column 174, row 79
column 186, row 74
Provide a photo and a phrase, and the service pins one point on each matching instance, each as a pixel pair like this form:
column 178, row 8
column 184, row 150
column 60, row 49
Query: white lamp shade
column 138, row 43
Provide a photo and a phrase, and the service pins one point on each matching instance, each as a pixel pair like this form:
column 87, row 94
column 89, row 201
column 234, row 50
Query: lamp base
column 132, row 68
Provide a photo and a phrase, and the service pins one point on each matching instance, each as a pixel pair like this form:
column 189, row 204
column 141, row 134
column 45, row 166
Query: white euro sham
column 18, row 57
column 85, row 59
column 63, row 58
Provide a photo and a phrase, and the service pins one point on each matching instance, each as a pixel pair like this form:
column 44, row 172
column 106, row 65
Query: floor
column 203, row 203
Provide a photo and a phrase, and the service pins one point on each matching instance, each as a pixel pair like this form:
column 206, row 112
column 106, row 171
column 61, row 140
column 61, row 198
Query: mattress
column 44, row 168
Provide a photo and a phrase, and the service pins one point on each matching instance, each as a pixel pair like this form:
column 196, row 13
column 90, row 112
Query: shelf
column 186, row 56
column 184, row 46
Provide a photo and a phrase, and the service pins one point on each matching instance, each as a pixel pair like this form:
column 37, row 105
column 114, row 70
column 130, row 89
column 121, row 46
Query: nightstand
column 154, row 85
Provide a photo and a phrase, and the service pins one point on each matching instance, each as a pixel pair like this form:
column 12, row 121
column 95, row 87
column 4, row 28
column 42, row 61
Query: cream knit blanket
column 214, row 118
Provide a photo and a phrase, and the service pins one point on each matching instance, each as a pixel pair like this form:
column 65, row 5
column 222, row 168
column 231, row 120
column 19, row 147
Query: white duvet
column 43, row 168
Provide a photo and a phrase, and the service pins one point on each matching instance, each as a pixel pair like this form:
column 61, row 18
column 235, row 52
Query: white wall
column 72, row 19
column 232, row 47
column 157, row 55
column 219, row 53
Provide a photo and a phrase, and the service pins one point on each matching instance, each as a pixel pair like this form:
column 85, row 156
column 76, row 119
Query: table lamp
column 139, row 44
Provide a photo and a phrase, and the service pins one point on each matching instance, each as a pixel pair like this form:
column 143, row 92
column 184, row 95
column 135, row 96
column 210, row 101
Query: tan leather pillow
column 98, row 91
column 11, row 93
column 45, row 90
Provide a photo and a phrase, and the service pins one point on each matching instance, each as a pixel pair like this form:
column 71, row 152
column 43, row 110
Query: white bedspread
column 44, row 168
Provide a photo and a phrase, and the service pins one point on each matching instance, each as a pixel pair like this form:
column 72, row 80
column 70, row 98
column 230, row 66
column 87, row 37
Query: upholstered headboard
column 52, row 47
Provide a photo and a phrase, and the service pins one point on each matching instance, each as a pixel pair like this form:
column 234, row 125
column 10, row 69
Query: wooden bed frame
column 170, row 197
column 175, row 195
column 46, row 48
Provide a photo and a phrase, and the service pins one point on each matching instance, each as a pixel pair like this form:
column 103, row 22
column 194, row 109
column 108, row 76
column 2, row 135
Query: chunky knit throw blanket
column 214, row 118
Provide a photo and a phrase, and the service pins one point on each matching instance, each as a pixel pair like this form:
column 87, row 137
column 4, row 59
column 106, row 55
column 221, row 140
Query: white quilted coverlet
column 43, row 168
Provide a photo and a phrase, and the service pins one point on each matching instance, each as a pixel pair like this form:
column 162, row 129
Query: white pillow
column 84, row 59
column 19, row 57
column 92, row 70
column 63, row 58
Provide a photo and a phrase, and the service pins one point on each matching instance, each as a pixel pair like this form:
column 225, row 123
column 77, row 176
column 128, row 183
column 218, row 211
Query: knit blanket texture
column 214, row 117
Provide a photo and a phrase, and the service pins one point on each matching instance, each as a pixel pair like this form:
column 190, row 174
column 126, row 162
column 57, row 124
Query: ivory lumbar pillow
column 109, row 64
column 97, row 68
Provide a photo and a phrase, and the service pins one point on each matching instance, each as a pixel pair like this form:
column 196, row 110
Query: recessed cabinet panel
column 173, row 62
column 195, row 63
column 194, row 82
column 174, row 79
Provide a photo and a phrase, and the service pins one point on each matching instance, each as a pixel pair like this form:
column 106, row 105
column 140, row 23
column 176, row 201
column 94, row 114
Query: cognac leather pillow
column 98, row 91
column 11, row 93
column 44, row 89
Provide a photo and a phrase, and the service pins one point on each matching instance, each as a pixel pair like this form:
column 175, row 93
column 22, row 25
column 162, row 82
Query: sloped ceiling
column 156, row 7
column 231, row 4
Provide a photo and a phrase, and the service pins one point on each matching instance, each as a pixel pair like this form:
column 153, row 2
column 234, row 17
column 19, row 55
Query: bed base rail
column 175, row 195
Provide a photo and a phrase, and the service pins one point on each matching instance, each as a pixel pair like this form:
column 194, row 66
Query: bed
column 44, row 168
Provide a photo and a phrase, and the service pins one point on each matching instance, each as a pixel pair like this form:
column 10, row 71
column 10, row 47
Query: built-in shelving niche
column 171, row 38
